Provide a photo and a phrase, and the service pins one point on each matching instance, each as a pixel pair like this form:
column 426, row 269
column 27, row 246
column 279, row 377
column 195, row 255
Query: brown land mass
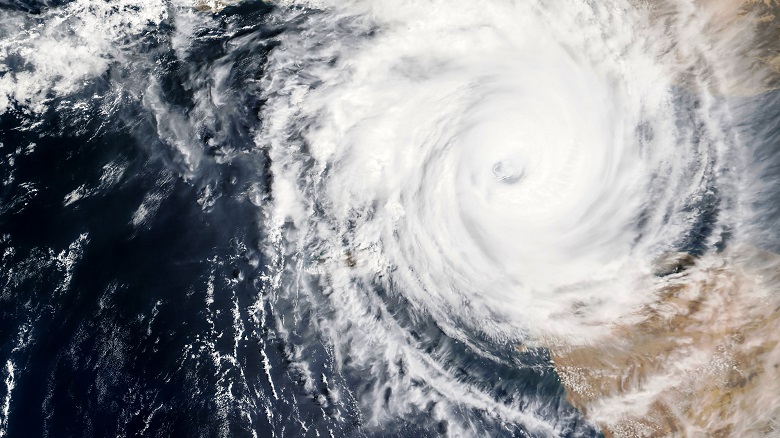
column 702, row 361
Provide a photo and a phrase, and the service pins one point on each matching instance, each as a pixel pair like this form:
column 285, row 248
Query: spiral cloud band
column 512, row 170
column 496, row 165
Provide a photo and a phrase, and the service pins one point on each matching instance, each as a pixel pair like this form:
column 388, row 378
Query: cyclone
column 389, row 218
column 510, row 170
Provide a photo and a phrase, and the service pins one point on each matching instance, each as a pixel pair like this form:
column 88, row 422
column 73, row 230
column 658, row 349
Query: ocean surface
column 308, row 219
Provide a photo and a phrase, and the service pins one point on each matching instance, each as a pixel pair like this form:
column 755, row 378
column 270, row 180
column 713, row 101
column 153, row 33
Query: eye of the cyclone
column 507, row 171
